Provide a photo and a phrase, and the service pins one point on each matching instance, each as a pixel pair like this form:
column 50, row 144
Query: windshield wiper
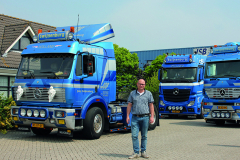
column 51, row 72
column 30, row 71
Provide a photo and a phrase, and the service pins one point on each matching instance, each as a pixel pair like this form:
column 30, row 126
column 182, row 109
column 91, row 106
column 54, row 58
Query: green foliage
column 152, row 84
column 155, row 65
column 5, row 113
column 127, row 69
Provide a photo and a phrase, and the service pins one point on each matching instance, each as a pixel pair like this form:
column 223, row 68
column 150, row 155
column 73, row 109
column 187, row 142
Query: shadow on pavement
column 115, row 155
column 222, row 145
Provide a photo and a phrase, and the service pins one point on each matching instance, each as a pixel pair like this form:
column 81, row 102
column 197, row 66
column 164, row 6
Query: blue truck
column 181, row 85
column 67, row 81
column 222, row 84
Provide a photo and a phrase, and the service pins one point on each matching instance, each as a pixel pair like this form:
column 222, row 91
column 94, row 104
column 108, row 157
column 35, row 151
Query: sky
column 140, row 24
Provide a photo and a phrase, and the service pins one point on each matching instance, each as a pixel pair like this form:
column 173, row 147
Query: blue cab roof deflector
column 93, row 33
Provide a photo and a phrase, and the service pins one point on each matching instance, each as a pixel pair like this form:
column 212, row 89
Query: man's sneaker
column 134, row 155
column 144, row 154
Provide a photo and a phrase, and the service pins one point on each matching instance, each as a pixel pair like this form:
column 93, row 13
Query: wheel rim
column 97, row 123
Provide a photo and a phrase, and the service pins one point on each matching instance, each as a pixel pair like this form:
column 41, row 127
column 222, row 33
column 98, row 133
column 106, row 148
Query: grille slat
column 182, row 96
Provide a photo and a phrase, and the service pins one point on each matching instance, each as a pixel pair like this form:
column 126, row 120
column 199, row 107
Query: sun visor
column 93, row 33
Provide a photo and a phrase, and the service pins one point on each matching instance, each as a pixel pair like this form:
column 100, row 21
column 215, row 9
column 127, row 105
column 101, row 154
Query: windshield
column 45, row 66
column 179, row 74
column 223, row 69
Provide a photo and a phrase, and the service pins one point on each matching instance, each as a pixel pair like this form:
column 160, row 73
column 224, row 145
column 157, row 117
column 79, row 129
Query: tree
column 152, row 84
column 155, row 65
column 127, row 69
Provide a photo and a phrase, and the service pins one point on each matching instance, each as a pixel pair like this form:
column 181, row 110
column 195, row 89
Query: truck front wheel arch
column 93, row 124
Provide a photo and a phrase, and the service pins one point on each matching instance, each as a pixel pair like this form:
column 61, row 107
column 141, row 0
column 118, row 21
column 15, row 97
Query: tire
column 41, row 131
column 201, row 113
column 220, row 122
column 154, row 124
column 93, row 123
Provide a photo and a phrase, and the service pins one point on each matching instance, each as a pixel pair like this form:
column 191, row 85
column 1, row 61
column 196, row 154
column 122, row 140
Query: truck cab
column 222, row 84
column 181, row 85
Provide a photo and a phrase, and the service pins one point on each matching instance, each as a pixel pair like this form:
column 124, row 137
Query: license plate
column 222, row 107
column 37, row 125
column 175, row 111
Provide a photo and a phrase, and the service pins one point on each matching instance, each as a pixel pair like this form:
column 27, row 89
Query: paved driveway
column 174, row 139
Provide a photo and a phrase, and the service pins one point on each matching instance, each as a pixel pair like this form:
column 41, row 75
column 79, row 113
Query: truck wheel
column 154, row 124
column 41, row 131
column 201, row 113
column 220, row 122
column 93, row 123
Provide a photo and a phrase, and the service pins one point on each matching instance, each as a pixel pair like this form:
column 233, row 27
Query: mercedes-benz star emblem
column 37, row 93
column 222, row 92
column 175, row 91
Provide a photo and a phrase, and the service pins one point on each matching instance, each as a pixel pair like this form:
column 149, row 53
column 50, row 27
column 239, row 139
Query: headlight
column 177, row 108
column 218, row 115
column 70, row 36
column 29, row 113
column 190, row 60
column 42, row 113
column 23, row 112
column 206, row 110
column 236, row 104
column 191, row 103
column 173, row 107
column 222, row 115
column 238, row 48
column 161, row 103
column 213, row 115
column 59, row 113
column 15, row 111
column 237, row 110
column 36, row 113
column 181, row 108
column 169, row 107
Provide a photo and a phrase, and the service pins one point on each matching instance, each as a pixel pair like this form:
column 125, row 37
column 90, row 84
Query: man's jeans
column 139, row 124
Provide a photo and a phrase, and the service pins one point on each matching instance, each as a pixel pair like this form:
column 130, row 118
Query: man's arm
column 151, row 107
column 129, row 106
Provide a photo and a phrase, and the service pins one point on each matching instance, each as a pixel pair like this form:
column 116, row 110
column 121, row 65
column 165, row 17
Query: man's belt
column 141, row 115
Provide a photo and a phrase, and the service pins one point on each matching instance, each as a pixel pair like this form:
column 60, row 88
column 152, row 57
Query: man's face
column 141, row 84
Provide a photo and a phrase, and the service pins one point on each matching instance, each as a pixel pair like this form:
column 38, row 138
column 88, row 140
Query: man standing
column 140, row 102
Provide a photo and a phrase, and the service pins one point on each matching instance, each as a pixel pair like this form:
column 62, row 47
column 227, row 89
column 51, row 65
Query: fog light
column 29, row 113
column 181, row 108
column 169, row 107
column 61, row 121
column 177, row 108
column 173, row 107
column 218, row 115
column 59, row 113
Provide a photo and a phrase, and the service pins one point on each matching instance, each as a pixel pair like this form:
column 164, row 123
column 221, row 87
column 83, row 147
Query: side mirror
column 159, row 74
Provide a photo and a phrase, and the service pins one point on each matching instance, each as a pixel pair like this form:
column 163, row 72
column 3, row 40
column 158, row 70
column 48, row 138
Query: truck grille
column 223, row 92
column 182, row 96
column 29, row 94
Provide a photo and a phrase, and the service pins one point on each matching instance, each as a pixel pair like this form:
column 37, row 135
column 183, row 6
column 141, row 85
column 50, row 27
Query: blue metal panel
column 147, row 55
